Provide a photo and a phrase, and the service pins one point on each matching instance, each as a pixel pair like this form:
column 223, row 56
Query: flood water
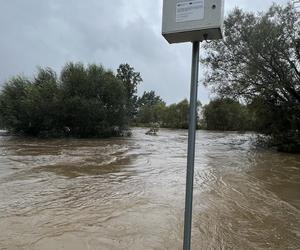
column 129, row 193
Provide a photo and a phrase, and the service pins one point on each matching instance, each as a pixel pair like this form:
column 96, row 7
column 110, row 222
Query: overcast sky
column 110, row 32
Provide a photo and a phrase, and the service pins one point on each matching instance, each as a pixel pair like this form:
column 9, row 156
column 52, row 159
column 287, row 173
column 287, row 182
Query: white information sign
column 189, row 10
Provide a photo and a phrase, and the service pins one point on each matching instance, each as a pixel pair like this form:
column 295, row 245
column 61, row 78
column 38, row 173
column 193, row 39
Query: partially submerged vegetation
column 258, row 62
column 151, row 109
column 82, row 102
column 227, row 115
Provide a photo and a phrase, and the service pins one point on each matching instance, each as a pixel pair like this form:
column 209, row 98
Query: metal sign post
column 191, row 148
column 192, row 21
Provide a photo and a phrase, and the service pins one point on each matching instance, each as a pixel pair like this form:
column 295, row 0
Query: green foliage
column 130, row 80
column 12, row 102
column 153, row 110
column 259, row 61
column 150, row 108
column 177, row 115
column 149, row 99
column 226, row 115
column 83, row 102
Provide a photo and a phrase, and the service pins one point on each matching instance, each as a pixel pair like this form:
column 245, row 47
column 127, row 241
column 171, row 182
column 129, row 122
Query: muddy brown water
column 129, row 193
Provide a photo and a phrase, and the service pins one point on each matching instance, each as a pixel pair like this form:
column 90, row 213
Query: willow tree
column 259, row 61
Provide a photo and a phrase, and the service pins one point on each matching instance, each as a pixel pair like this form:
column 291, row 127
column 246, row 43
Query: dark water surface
column 129, row 193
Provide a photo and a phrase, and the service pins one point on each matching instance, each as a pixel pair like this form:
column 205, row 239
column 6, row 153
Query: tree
column 84, row 102
column 93, row 100
column 131, row 80
column 176, row 115
column 259, row 61
column 149, row 98
column 12, row 108
column 226, row 114
column 42, row 103
column 150, row 108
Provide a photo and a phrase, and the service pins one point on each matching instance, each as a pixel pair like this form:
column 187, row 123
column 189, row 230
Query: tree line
column 152, row 109
column 82, row 101
column 222, row 114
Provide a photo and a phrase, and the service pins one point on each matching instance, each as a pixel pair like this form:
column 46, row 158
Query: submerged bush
column 82, row 102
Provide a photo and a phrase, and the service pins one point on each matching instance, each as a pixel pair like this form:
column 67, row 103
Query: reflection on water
column 129, row 193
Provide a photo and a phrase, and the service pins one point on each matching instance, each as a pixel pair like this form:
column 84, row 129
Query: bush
column 226, row 114
column 82, row 102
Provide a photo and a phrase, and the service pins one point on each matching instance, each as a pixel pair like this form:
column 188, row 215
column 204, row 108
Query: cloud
column 51, row 33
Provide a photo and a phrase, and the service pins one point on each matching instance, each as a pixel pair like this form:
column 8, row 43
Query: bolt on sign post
column 192, row 21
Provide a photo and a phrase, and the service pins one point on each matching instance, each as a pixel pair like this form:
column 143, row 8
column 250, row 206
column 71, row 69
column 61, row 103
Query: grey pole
column 191, row 148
